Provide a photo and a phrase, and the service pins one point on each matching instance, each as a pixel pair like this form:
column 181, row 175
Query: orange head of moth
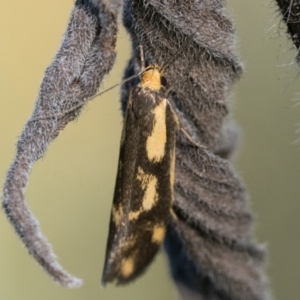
column 151, row 78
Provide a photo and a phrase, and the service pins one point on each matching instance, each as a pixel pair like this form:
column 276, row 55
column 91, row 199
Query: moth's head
column 152, row 78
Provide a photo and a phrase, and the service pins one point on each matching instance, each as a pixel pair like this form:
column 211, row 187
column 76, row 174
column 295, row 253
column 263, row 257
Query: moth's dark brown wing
column 144, row 186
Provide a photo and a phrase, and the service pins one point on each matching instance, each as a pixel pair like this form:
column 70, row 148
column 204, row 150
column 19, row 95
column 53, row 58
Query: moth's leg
column 173, row 214
column 191, row 139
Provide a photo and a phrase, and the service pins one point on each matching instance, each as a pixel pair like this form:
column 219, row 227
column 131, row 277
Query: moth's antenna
column 131, row 77
column 120, row 83
column 142, row 56
column 80, row 105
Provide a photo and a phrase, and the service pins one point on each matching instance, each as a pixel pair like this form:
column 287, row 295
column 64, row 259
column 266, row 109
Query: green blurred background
column 70, row 189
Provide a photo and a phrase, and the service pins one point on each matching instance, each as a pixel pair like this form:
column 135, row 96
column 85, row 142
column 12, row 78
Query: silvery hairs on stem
column 86, row 55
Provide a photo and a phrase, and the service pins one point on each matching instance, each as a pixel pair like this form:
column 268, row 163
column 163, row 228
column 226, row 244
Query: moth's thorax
column 152, row 78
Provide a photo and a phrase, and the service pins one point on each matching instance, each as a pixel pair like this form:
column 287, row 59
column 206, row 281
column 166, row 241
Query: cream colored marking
column 148, row 184
column 117, row 215
column 144, row 178
column 150, row 197
column 158, row 234
column 151, row 78
column 134, row 215
column 156, row 142
column 127, row 267
column 172, row 172
column 141, row 176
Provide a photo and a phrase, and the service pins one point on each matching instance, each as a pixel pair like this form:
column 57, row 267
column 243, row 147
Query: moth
column 144, row 189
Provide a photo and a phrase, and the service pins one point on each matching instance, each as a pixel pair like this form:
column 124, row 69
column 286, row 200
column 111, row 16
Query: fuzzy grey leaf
column 86, row 55
column 214, row 227
column 211, row 248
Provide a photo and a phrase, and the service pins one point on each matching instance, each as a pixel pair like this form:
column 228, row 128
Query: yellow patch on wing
column 158, row 234
column 117, row 214
column 150, row 197
column 141, row 175
column 133, row 215
column 127, row 266
column 149, row 185
column 172, row 172
column 156, row 142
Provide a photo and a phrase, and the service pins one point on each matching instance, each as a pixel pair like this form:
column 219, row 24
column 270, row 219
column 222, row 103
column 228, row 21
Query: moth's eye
column 163, row 81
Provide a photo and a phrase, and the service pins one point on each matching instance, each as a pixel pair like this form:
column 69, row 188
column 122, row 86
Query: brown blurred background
column 70, row 189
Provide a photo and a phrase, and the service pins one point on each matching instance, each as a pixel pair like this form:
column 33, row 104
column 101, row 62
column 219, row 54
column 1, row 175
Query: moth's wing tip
column 114, row 279
column 103, row 283
column 104, row 279
column 107, row 277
